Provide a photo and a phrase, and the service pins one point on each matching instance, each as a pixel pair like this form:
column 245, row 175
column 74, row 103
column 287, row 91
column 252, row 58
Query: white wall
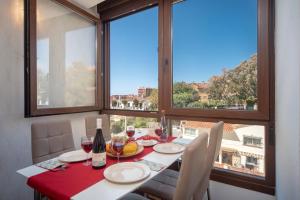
column 15, row 142
column 15, row 146
column 287, row 99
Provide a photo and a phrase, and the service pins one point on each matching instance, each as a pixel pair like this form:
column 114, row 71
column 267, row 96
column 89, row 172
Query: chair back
column 192, row 168
column 50, row 139
column 91, row 125
column 214, row 145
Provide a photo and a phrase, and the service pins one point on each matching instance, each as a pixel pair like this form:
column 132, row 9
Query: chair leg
column 208, row 193
column 37, row 195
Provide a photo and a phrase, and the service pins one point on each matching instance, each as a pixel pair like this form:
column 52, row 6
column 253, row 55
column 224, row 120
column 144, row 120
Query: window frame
column 265, row 115
column 110, row 11
column 30, row 63
column 263, row 71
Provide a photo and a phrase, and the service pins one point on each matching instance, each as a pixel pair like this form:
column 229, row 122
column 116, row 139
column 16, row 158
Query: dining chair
column 164, row 184
column 91, row 125
column 193, row 162
column 50, row 139
column 214, row 146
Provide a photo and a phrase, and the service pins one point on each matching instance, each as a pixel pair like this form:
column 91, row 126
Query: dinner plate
column 74, row 156
column 147, row 143
column 168, row 148
column 127, row 172
column 139, row 150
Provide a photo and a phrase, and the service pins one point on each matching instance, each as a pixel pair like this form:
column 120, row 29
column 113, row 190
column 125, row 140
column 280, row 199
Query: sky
column 208, row 36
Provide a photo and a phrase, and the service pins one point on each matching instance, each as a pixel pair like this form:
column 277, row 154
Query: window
column 215, row 54
column 142, row 125
column 252, row 141
column 63, row 76
column 134, row 62
column 199, row 60
column 234, row 154
column 215, row 62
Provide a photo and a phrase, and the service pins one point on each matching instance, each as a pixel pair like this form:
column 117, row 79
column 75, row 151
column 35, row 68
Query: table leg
column 37, row 195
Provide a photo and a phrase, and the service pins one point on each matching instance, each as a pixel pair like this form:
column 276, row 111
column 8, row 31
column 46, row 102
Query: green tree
column 184, row 94
column 118, row 126
column 135, row 103
column 238, row 85
column 80, row 85
column 125, row 102
column 153, row 98
column 114, row 103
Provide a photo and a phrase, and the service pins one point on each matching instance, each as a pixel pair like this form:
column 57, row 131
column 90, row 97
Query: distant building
column 144, row 92
column 242, row 146
column 129, row 102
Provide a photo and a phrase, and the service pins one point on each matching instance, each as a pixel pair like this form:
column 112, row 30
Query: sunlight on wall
column 17, row 10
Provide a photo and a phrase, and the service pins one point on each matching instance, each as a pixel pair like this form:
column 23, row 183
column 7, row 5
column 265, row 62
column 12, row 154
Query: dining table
column 80, row 182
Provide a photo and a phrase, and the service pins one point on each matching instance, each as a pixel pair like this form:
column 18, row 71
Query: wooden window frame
column 265, row 115
column 30, row 75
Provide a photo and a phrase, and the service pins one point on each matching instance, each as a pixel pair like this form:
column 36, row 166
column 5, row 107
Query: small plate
column 147, row 143
column 139, row 150
column 74, row 156
column 168, row 148
column 127, row 172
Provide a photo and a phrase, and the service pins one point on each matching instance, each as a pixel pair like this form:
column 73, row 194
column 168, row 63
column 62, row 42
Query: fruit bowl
column 129, row 150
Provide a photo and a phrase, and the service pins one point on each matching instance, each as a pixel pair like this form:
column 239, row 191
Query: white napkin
column 50, row 164
column 182, row 141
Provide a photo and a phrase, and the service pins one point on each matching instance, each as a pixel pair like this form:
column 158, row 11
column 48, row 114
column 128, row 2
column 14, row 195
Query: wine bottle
column 164, row 127
column 99, row 153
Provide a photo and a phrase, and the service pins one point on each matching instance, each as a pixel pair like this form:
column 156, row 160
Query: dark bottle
column 164, row 127
column 99, row 153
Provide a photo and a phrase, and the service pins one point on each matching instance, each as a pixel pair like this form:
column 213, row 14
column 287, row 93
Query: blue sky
column 208, row 35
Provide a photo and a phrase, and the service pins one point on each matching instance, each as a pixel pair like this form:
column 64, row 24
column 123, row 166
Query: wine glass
column 118, row 142
column 130, row 132
column 86, row 145
column 158, row 130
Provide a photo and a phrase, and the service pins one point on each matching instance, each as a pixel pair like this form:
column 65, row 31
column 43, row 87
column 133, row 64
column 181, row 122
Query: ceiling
column 48, row 9
column 88, row 3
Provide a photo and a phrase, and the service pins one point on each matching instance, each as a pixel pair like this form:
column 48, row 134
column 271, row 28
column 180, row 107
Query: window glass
column 215, row 54
column 235, row 154
column 134, row 61
column 66, row 57
column 142, row 125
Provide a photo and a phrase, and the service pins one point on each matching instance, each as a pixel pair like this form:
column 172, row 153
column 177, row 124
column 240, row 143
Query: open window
column 63, row 74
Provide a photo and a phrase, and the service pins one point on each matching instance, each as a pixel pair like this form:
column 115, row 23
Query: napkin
column 50, row 164
column 182, row 141
column 152, row 165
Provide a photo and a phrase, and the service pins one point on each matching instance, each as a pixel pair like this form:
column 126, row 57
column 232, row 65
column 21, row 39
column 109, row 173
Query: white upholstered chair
column 191, row 173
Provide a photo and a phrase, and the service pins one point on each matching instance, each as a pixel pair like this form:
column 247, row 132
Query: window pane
column 134, row 61
column 215, row 54
column 66, row 57
column 143, row 126
column 240, row 149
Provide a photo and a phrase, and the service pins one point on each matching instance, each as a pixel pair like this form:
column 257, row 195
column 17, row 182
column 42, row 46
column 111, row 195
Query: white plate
column 168, row 148
column 147, row 143
column 74, row 156
column 126, row 172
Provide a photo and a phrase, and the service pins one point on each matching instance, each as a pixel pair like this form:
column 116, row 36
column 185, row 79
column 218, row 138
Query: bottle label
column 99, row 159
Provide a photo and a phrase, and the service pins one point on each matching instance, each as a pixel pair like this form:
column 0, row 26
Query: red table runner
column 62, row 185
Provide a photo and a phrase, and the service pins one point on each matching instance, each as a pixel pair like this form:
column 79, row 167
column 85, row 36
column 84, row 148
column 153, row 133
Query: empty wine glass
column 118, row 142
column 86, row 145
